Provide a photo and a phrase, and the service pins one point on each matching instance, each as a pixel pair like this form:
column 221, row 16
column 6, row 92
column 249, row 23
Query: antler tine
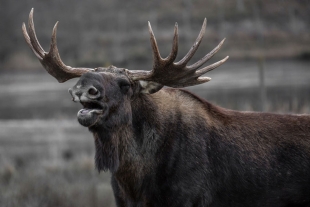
column 156, row 54
column 51, row 61
column 210, row 67
column 27, row 38
column 32, row 40
column 33, row 37
column 53, row 52
column 195, row 46
column 174, row 51
column 206, row 57
column 198, row 81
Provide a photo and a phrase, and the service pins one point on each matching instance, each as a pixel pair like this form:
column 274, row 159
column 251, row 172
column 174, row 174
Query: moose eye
column 124, row 85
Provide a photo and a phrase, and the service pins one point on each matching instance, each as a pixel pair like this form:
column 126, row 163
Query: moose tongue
column 85, row 111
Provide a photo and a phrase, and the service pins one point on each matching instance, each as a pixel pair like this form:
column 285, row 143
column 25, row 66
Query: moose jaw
column 168, row 147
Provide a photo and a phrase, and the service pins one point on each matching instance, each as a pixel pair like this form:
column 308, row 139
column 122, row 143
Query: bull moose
column 164, row 146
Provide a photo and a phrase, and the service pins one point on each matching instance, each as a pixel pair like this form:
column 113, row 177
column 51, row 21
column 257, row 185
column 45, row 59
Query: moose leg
column 119, row 198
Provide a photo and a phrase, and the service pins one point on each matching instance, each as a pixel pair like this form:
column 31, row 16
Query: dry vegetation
column 74, row 183
column 48, row 164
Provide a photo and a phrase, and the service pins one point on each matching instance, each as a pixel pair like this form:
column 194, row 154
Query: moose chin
column 164, row 146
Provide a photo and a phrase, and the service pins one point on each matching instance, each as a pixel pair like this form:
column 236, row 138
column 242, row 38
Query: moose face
column 105, row 97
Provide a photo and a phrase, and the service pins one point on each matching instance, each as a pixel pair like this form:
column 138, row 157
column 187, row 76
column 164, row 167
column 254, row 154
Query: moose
column 164, row 146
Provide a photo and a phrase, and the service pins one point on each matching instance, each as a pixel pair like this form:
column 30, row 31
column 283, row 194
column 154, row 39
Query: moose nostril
column 93, row 91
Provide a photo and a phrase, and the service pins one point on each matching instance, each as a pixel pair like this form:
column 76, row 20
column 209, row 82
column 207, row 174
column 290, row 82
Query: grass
column 50, row 163
column 70, row 183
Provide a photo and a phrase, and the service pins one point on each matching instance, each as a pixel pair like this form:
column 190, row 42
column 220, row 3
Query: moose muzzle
column 93, row 109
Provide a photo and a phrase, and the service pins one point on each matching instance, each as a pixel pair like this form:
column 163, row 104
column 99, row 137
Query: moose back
column 168, row 147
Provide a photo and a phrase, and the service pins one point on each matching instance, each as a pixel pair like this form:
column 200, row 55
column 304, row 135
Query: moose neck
column 126, row 145
column 121, row 146
column 133, row 137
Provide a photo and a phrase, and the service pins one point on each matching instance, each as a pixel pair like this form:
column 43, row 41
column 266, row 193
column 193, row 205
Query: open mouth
column 92, row 107
column 91, row 113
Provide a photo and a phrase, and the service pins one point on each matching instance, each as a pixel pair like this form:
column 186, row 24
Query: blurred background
column 46, row 157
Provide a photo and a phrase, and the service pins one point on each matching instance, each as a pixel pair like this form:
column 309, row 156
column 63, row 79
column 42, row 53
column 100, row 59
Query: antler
column 178, row 74
column 51, row 61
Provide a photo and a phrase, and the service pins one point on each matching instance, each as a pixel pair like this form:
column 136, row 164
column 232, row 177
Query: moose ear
column 149, row 87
